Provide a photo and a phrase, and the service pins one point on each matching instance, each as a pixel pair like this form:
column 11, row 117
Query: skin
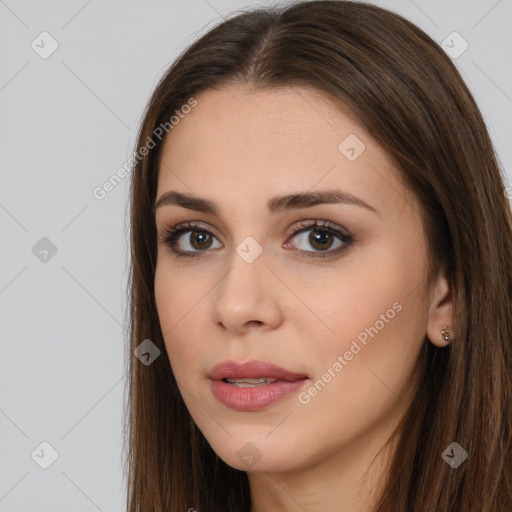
column 238, row 148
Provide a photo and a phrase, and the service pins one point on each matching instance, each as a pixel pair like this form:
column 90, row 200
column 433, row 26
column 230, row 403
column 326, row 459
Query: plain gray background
column 67, row 123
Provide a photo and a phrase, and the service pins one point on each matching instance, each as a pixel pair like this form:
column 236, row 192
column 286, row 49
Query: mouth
column 252, row 385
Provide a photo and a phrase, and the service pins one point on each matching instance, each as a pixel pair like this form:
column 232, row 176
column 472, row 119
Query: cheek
column 366, row 328
column 366, row 370
column 374, row 316
column 180, row 303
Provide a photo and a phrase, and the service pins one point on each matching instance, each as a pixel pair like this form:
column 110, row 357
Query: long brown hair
column 406, row 91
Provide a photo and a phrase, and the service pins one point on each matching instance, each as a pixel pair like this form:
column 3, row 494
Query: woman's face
column 304, row 251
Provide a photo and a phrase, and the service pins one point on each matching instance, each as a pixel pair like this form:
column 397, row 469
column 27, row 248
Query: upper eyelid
column 304, row 225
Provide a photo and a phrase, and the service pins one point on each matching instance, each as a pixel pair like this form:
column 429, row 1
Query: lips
column 253, row 385
column 253, row 370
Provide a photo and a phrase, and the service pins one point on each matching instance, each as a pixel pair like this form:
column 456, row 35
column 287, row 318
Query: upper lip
column 252, row 370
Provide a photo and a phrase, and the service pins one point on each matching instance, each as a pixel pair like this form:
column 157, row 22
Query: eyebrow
column 274, row 205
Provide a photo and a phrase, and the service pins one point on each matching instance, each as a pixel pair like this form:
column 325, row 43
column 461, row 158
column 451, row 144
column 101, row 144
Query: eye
column 322, row 237
column 190, row 239
column 197, row 239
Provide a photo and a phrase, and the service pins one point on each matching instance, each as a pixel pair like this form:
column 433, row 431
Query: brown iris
column 320, row 239
column 200, row 240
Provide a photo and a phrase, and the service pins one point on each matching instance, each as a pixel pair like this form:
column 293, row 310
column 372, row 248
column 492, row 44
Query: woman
column 321, row 256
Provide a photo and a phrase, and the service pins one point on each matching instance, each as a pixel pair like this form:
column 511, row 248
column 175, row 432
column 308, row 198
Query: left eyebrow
column 275, row 205
column 308, row 199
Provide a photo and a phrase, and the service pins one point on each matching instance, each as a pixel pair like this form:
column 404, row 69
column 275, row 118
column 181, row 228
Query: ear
column 440, row 315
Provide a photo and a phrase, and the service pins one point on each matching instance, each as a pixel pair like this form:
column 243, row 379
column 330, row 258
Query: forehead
column 273, row 142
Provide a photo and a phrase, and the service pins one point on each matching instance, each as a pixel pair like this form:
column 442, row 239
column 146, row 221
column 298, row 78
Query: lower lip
column 254, row 398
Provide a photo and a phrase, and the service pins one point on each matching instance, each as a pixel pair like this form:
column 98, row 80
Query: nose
column 247, row 297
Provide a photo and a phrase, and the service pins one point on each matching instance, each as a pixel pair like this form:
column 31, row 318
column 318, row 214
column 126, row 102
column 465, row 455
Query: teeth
column 249, row 383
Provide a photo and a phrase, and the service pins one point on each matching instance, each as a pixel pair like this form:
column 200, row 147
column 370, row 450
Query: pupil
column 320, row 239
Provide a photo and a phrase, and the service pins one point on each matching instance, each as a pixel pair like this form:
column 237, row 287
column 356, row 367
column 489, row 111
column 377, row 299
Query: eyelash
column 170, row 235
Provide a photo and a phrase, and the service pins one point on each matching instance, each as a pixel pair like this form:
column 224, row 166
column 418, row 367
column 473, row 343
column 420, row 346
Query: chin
column 256, row 454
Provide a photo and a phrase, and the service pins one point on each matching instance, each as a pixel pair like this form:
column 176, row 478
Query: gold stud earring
column 445, row 333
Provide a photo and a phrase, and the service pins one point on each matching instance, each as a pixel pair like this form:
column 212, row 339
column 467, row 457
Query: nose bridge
column 245, row 294
column 245, row 276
